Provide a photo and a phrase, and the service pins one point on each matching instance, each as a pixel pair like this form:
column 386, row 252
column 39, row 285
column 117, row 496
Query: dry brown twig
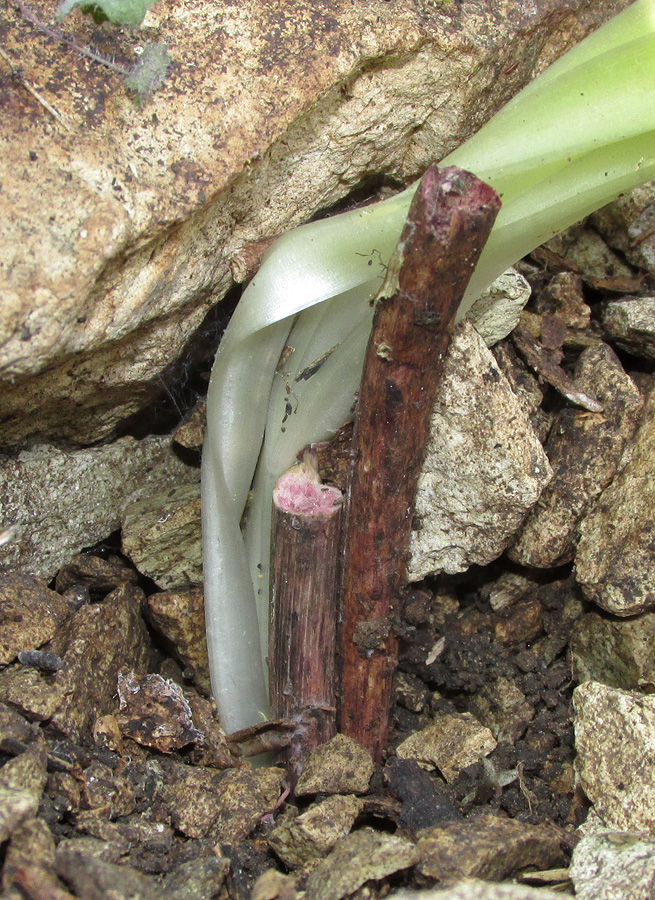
column 19, row 77
column 447, row 227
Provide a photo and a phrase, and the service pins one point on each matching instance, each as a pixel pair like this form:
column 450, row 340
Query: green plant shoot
column 570, row 142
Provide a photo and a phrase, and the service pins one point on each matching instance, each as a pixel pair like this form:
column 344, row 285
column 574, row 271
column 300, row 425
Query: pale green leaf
column 149, row 71
column 120, row 12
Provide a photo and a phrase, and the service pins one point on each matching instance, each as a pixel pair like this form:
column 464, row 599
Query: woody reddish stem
column 305, row 576
column 447, row 226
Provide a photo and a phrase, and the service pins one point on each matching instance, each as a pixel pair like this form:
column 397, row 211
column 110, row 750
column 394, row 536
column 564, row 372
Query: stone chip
column 22, row 780
column 615, row 563
column 96, row 879
column 450, row 743
column 85, row 685
column 198, row 879
column 161, row 535
column 16, row 806
column 30, row 614
column 341, row 766
column 631, row 324
column 503, row 708
column 613, row 866
column 154, row 712
column 615, row 742
column 487, row 847
column 627, row 224
column 245, row 797
column 474, row 889
column 32, row 846
column 314, row 832
column 180, row 617
column 362, row 856
column 484, row 466
column 60, row 500
column 617, row 652
column 584, row 449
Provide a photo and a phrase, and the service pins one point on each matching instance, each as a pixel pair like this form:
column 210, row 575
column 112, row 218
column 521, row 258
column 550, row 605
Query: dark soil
column 526, row 645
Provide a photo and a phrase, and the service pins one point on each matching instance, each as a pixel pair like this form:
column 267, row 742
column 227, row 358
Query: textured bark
column 305, row 576
column 447, row 226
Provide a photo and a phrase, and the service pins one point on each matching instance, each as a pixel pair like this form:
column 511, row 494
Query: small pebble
column 43, row 660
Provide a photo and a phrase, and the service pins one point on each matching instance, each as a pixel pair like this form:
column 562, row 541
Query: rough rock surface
column 58, row 501
column 631, row 323
column 473, row 889
column 30, row 614
column 22, row 780
column 613, row 866
column 484, row 467
column 615, row 741
column 451, row 743
column 341, row 766
column 180, row 617
column 85, row 685
column 627, row 224
column 96, row 878
column 584, row 449
column 503, row 708
column 487, row 847
column 226, row 806
column 618, row 652
column 362, row 856
column 271, row 112
column 497, row 311
column 615, row 563
column 16, row 806
column 244, row 797
column 160, row 534
column 31, row 841
column 313, row 833
column 585, row 249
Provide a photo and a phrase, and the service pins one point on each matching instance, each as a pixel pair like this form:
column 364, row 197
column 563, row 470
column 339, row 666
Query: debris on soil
column 116, row 776
column 154, row 712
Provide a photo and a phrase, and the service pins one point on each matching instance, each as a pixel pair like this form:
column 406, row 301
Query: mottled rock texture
column 613, row 866
column 615, row 740
column 584, row 449
column 57, row 501
column 484, row 466
column 614, row 561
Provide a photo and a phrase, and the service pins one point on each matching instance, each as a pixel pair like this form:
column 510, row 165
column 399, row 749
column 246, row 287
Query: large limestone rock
column 122, row 226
